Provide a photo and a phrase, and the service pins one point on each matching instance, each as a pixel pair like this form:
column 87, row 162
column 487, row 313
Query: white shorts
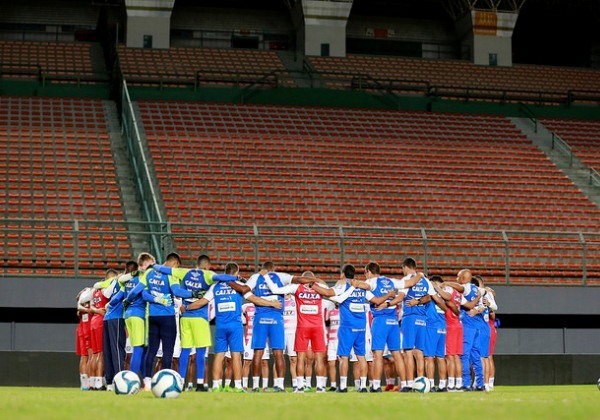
column 332, row 350
column 249, row 351
column 290, row 339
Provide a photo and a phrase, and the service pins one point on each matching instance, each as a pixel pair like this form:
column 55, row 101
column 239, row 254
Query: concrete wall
column 483, row 46
column 157, row 27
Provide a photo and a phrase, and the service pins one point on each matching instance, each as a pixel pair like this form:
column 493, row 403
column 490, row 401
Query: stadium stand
column 526, row 79
column 63, row 202
column 280, row 165
column 582, row 136
column 214, row 66
column 35, row 58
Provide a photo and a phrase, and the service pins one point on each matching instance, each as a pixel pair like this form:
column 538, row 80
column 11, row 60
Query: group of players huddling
column 396, row 327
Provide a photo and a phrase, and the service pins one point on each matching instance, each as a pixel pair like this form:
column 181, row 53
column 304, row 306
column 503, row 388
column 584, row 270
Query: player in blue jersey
column 414, row 320
column 353, row 321
column 482, row 315
column 435, row 341
column 471, row 351
column 113, row 333
column 229, row 334
column 268, row 322
column 385, row 329
column 194, row 326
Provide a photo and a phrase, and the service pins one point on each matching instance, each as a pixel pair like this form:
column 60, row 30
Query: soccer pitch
column 508, row 402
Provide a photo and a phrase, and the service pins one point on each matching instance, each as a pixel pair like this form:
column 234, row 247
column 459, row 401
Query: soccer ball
column 598, row 383
column 126, row 383
column 167, row 383
column 422, row 385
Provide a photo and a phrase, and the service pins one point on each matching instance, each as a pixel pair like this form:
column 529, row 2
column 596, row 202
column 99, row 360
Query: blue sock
column 136, row 359
column 200, row 363
column 143, row 361
column 184, row 358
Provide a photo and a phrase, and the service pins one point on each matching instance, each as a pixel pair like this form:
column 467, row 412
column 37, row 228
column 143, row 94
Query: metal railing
column 140, row 164
column 524, row 109
column 562, row 147
column 76, row 247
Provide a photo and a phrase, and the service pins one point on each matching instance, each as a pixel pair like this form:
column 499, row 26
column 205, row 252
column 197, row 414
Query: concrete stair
column 571, row 166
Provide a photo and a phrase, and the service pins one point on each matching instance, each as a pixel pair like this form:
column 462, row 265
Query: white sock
column 147, row 382
column 308, row 381
column 99, row 382
column 459, row 383
column 442, row 383
column 403, row 384
column 343, row 382
column 265, row 382
column 227, row 382
column 321, row 381
column 376, row 384
column 295, row 382
column 362, row 382
column 83, row 379
column 334, row 384
column 216, row 383
column 451, row 382
column 300, row 381
column 200, row 381
column 390, row 381
column 370, row 383
column 245, row 382
column 357, row 383
column 491, row 382
column 278, row 382
column 255, row 381
column 409, row 384
column 431, row 382
column 238, row 383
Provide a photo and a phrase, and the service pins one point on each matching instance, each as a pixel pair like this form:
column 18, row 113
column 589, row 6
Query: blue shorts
column 385, row 330
column 484, row 340
column 435, row 342
column 268, row 327
column 229, row 338
column 351, row 338
column 414, row 332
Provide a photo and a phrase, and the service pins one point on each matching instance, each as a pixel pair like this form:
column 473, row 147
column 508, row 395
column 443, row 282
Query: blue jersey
column 260, row 288
column 416, row 292
column 381, row 286
column 470, row 294
column 436, row 317
column 158, row 284
column 352, row 310
column 116, row 311
column 137, row 305
column 227, row 303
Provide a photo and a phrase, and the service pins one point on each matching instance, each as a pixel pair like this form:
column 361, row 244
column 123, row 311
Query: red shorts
column 493, row 334
column 314, row 335
column 454, row 340
column 82, row 342
column 96, row 333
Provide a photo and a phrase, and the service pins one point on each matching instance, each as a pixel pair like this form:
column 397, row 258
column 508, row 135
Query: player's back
column 310, row 307
column 228, row 305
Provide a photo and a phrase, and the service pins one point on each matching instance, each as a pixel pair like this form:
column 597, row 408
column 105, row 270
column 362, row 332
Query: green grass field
column 514, row 402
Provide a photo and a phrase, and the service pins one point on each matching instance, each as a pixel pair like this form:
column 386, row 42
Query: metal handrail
column 563, row 147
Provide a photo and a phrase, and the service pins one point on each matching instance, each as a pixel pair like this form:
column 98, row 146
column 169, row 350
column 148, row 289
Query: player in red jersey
column 454, row 334
column 311, row 326
column 97, row 309
column 83, row 345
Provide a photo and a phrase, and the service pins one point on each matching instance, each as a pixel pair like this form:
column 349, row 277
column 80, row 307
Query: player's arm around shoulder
column 262, row 302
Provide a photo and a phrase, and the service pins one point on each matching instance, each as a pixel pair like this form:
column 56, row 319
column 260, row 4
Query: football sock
column 343, row 382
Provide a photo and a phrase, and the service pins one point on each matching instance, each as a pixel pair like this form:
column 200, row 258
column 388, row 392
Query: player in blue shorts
column 385, row 329
column 435, row 340
column 471, row 350
column 268, row 321
column 194, row 326
column 229, row 333
column 481, row 312
column 414, row 320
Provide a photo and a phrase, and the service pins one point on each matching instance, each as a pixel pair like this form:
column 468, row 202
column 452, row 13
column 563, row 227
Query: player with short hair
column 414, row 320
column 385, row 329
column 229, row 332
column 290, row 323
column 83, row 345
column 332, row 321
column 194, row 326
column 482, row 310
column 100, row 298
column 435, row 342
column 311, row 325
column 268, row 322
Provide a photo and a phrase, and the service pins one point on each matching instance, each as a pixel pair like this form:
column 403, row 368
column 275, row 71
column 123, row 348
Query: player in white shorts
column 248, row 320
column 290, row 322
column 332, row 318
